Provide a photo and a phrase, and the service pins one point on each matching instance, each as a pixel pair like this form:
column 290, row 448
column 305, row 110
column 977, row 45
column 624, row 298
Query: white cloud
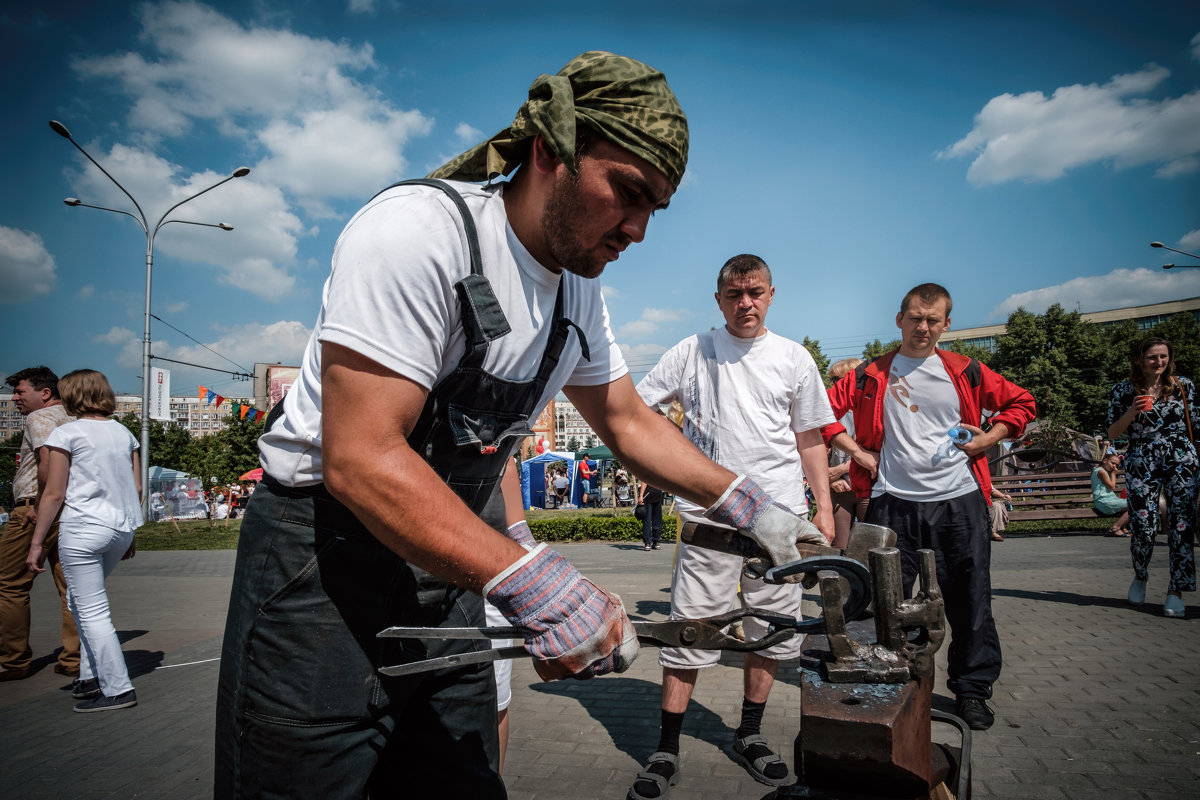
column 86, row 292
column 1196, row 47
column 361, row 7
column 264, row 239
column 1190, row 241
column 649, row 323
column 127, row 343
column 27, row 268
column 1034, row 137
column 326, row 134
column 177, row 307
column 467, row 134
column 1119, row 288
column 609, row 293
column 339, row 152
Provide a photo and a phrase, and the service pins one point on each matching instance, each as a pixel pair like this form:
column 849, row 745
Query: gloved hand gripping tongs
column 701, row 634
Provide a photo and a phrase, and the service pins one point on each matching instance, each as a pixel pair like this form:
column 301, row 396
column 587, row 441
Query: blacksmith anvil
column 865, row 728
column 866, row 711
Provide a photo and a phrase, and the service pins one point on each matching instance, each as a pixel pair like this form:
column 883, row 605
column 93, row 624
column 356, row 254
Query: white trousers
column 89, row 554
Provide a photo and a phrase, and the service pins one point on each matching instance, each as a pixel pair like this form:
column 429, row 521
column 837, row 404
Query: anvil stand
column 865, row 729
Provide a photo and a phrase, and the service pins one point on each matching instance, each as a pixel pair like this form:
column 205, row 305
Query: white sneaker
column 1137, row 592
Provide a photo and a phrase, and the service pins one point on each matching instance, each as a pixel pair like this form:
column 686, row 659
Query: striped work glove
column 519, row 532
column 775, row 529
column 572, row 627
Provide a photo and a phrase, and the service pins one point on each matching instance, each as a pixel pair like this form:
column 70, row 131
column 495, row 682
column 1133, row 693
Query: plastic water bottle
column 947, row 449
column 960, row 435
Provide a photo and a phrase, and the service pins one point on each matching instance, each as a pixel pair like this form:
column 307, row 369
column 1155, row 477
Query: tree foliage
column 1070, row 365
column 877, row 348
column 224, row 455
column 813, row 346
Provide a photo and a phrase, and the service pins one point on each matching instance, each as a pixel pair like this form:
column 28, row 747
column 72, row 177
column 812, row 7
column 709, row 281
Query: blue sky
column 1018, row 153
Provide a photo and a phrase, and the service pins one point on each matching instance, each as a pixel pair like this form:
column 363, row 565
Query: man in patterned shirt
column 35, row 394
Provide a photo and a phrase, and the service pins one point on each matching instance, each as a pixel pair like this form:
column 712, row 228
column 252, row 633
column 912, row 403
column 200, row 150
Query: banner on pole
column 160, row 394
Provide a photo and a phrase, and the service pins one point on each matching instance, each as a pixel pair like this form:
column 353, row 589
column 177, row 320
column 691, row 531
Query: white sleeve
column 607, row 364
column 390, row 296
column 664, row 382
column 810, row 403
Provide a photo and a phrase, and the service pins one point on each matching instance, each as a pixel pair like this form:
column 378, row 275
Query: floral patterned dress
column 1161, row 458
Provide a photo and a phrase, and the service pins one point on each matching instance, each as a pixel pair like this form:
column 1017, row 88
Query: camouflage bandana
column 625, row 101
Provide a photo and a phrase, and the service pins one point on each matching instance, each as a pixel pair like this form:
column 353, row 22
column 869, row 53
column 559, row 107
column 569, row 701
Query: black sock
column 752, row 714
column 668, row 742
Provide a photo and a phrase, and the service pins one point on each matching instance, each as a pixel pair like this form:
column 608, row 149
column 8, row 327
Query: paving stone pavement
column 1097, row 699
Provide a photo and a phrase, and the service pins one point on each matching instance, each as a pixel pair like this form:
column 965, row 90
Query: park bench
column 1051, row 495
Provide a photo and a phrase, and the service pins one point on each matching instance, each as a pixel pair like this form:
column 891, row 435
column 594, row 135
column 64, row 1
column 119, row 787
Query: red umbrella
column 252, row 475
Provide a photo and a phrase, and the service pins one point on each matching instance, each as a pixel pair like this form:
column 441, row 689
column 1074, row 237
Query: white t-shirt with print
column 919, row 408
column 744, row 406
column 100, row 486
column 391, row 298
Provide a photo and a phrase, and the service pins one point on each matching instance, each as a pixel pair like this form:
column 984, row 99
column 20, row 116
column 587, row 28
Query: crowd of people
column 457, row 306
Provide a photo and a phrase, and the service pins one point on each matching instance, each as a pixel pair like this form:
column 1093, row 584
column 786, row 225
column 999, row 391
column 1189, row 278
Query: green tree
column 974, row 351
column 876, row 348
column 573, row 444
column 8, row 467
column 1058, row 357
column 589, row 442
column 168, row 442
column 813, row 346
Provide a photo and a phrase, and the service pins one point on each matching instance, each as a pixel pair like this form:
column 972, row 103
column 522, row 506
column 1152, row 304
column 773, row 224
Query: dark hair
column 740, row 266
column 86, row 391
column 1136, row 376
column 929, row 293
column 37, row 377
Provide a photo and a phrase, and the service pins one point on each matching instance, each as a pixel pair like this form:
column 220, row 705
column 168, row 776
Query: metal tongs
column 701, row 634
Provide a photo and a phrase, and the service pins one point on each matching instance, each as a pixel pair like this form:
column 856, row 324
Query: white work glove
column 745, row 506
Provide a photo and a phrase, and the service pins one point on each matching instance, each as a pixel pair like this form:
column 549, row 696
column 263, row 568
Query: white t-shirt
column 920, row 407
column 391, row 298
column 744, row 401
column 100, row 485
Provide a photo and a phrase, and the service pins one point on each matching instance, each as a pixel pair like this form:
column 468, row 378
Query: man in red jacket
column 934, row 493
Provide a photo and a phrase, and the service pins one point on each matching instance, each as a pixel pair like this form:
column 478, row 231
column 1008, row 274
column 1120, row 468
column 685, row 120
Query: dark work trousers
column 301, row 709
column 652, row 524
column 958, row 531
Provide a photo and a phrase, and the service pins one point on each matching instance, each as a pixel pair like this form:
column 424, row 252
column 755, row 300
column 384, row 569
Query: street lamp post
column 151, row 231
column 1181, row 252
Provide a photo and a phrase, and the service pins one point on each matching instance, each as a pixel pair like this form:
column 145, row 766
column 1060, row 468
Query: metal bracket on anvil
column 908, row 631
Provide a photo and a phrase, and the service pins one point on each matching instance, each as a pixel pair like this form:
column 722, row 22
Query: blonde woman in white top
column 92, row 478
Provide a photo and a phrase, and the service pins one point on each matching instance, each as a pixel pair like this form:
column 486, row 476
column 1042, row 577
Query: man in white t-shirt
column 453, row 313
column 755, row 403
column 932, row 492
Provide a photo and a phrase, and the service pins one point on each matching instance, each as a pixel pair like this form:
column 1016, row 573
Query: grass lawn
column 192, row 534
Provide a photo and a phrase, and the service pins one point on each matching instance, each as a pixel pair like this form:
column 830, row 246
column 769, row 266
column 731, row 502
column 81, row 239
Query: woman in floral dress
column 1157, row 409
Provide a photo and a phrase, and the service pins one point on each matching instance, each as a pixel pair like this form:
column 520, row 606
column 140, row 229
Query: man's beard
column 563, row 215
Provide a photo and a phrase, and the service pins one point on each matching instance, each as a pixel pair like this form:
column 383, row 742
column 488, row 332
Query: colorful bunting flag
column 245, row 410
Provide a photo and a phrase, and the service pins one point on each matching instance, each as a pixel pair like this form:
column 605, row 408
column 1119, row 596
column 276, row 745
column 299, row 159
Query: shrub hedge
column 602, row 525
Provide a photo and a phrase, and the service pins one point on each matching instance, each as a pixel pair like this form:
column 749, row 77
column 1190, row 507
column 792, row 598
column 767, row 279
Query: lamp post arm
column 1173, row 250
column 163, row 219
column 116, row 183
column 134, row 217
